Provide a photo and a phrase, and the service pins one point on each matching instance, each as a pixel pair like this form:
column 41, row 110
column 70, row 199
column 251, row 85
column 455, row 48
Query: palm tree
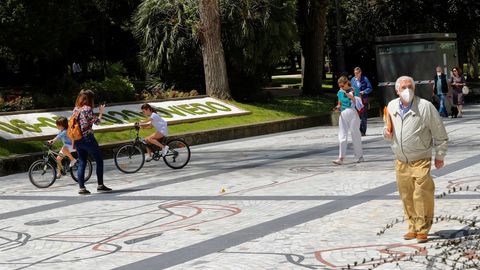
column 215, row 67
column 169, row 28
column 311, row 20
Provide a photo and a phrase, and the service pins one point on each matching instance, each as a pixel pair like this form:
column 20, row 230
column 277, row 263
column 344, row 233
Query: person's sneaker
column 360, row 160
column 409, row 236
column 58, row 176
column 83, row 191
column 165, row 150
column 337, row 162
column 422, row 238
column 364, row 134
column 103, row 188
column 149, row 158
column 72, row 163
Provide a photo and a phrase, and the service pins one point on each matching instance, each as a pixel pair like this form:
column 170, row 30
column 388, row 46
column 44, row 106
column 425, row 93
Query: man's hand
column 388, row 134
column 439, row 163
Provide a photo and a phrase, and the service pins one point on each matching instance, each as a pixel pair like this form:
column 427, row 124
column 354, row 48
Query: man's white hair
column 404, row 78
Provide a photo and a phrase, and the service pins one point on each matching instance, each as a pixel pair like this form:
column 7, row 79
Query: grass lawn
column 278, row 109
column 295, row 80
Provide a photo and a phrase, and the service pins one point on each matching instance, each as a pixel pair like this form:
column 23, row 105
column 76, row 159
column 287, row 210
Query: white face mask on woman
column 407, row 95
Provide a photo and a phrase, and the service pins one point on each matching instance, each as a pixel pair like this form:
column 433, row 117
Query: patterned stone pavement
column 269, row 202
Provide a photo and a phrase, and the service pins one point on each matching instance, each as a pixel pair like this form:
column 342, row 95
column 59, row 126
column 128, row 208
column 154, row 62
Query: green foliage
column 112, row 89
column 256, row 34
column 17, row 103
column 167, row 32
column 116, row 87
column 47, row 36
column 364, row 20
column 158, row 93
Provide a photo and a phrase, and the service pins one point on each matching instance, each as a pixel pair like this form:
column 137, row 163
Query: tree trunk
column 215, row 67
column 311, row 21
column 473, row 61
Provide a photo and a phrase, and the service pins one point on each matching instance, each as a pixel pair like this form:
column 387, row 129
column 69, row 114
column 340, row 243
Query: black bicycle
column 43, row 172
column 130, row 158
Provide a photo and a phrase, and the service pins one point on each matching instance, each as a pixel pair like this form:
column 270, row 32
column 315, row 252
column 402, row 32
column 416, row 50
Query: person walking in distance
column 415, row 127
column 457, row 82
column 362, row 85
column 88, row 144
column 440, row 89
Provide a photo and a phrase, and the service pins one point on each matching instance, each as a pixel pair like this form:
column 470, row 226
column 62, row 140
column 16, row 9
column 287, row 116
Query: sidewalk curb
column 21, row 163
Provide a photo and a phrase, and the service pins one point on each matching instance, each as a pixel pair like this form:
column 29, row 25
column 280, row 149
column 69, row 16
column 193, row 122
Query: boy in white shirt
column 160, row 125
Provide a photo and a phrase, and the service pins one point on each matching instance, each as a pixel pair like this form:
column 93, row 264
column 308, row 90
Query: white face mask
column 407, row 95
column 439, row 73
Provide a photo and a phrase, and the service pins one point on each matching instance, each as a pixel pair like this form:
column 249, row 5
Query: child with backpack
column 67, row 148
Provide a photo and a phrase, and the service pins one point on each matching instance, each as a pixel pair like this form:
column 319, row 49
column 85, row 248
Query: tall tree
column 311, row 18
column 215, row 67
column 167, row 33
column 256, row 35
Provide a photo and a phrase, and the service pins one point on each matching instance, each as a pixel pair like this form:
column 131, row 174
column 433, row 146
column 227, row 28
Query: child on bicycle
column 67, row 148
column 161, row 131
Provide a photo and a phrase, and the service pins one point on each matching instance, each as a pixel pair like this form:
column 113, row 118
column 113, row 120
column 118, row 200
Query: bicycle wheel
column 178, row 154
column 42, row 174
column 129, row 158
column 88, row 171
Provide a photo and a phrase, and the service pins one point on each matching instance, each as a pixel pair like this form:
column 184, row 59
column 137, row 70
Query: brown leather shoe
column 422, row 237
column 410, row 236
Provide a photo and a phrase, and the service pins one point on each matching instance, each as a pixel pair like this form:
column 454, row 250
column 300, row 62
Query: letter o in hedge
column 47, row 122
column 217, row 106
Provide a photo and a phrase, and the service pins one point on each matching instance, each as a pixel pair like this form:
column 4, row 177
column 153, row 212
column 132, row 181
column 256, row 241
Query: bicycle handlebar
column 48, row 145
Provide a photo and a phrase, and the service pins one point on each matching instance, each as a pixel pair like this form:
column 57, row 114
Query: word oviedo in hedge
column 31, row 126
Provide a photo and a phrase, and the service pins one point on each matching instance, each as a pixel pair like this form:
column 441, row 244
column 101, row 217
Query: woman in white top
column 349, row 101
column 161, row 129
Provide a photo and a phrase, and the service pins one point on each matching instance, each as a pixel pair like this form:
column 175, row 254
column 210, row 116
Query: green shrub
column 43, row 101
column 158, row 93
column 113, row 89
column 16, row 104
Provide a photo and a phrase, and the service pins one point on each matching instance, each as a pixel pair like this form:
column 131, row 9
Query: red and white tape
column 393, row 83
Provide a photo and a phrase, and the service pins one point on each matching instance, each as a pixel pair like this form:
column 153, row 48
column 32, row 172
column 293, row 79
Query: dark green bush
column 114, row 89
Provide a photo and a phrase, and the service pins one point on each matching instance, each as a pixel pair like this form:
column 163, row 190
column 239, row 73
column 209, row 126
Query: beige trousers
column 416, row 188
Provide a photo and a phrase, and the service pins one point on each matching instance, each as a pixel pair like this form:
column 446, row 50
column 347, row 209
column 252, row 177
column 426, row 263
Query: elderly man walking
column 362, row 85
column 415, row 127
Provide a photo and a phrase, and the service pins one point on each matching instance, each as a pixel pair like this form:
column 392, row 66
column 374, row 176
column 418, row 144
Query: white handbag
column 465, row 90
column 358, row 103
